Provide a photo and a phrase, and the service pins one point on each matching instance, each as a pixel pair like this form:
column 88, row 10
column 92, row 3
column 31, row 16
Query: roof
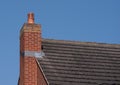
column 80, row 63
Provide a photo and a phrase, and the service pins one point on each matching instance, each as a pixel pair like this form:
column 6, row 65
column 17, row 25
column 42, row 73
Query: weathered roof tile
column 80, row 63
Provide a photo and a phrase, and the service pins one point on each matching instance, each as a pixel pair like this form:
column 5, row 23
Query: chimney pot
column 31, row 18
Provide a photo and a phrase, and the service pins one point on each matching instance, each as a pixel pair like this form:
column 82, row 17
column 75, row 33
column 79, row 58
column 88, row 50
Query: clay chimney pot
column 31, row 18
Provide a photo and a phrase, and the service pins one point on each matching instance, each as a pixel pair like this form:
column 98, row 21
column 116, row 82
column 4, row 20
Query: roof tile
column 75, row 63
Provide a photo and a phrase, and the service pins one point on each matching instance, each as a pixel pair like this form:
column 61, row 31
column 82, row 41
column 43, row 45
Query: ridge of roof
column 80, row 43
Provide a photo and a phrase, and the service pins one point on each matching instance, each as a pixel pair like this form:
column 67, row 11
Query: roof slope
column 80, row 63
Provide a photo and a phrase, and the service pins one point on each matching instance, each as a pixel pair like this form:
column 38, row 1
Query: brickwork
column 30, row 71
column 30, row 40
column 41, row 80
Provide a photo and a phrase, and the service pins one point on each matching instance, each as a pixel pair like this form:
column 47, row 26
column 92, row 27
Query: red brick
column 30, row 40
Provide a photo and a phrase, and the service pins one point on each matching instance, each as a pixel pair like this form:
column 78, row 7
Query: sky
column 76, row 20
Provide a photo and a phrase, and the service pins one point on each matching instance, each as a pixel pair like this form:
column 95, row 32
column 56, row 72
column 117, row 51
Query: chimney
column 31, row 18
column 30, row 48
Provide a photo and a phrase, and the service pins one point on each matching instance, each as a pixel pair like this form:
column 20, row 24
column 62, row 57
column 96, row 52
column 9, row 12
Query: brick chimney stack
column 30, row 48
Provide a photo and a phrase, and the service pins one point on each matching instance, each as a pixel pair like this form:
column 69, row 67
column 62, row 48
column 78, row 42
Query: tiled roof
column 80, row 63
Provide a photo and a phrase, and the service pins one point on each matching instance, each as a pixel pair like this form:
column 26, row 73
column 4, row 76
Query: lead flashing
column 33, row 54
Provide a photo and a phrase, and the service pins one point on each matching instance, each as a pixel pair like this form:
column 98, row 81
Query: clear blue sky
column 79, row 20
